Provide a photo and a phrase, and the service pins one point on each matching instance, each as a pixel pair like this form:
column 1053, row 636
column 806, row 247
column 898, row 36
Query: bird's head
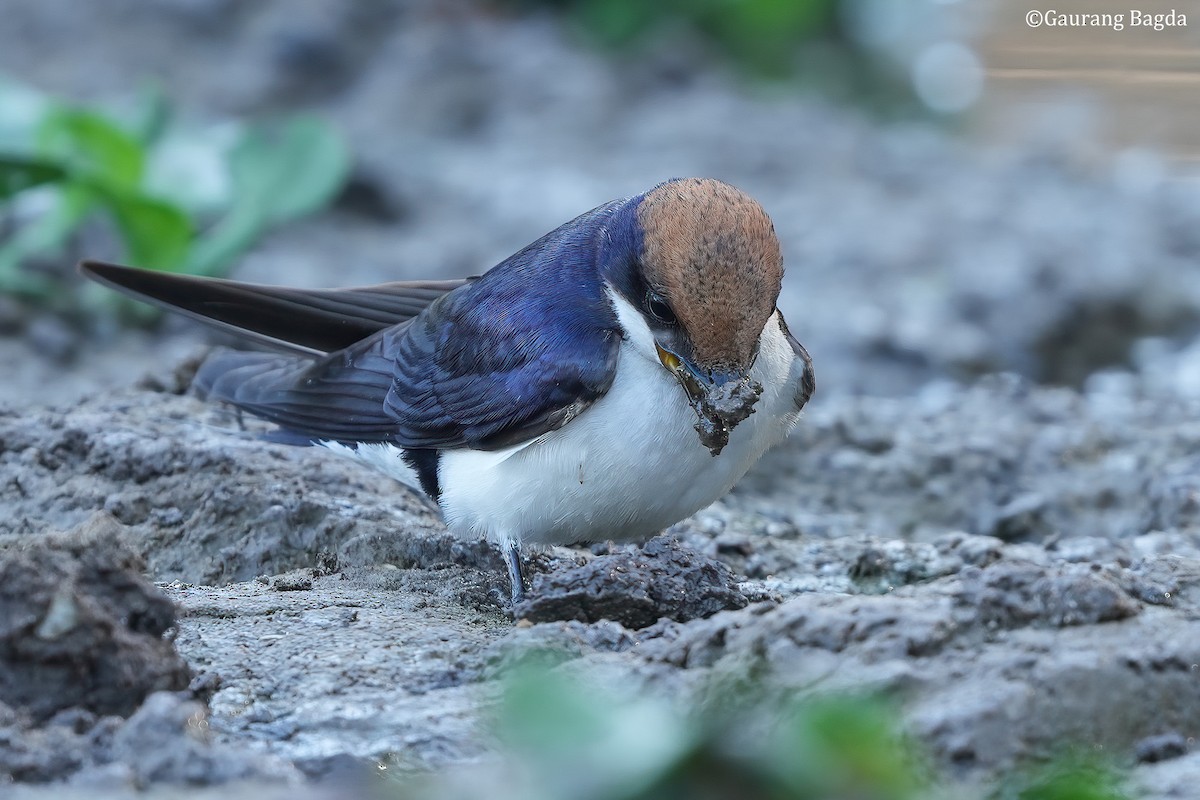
column 705, row 282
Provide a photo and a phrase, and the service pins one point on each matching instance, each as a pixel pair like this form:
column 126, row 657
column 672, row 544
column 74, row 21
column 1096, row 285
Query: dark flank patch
column 425, row 462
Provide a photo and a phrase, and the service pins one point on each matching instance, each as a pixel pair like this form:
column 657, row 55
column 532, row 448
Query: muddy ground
column 1020, row 583
column 1015, row 557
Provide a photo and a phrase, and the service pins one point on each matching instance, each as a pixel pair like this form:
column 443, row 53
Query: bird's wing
column 432, row 382
column 308, row 321
column 338, row 397
column 490, row 372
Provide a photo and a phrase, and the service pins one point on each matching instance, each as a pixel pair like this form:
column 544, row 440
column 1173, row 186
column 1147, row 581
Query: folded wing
column 418, row 364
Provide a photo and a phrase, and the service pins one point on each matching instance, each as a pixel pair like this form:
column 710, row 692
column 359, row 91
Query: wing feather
column 309, row 321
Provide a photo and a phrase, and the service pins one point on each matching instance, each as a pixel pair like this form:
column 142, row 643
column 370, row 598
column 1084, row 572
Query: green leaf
column 157, row 234
column 18, row 173
column 92, row 147
column 1071, row 776
column 278, row 175
column 152, row 114
column 618, row 23
column 290, row 171
column 844, row 747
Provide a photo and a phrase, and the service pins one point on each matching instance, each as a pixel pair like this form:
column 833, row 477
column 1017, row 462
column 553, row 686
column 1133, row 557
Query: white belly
column 627, row 467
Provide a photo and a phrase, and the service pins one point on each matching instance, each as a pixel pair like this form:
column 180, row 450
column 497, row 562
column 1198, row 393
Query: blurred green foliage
column 579, row 743
column 1071, row 777
column 568, row 740
column 177, row 199
column 761, row 36
column 808, row 42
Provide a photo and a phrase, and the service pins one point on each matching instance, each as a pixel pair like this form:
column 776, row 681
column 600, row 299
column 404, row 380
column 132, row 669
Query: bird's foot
column 516, row 578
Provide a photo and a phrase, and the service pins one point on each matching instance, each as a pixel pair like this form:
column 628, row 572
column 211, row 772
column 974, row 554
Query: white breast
column 627, row 467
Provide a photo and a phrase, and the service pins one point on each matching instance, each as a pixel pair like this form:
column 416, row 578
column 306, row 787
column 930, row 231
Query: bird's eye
column 658, row 308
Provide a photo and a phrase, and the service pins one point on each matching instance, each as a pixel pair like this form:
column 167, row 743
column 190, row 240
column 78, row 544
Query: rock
column 82, row 644
column 245, row 519
column 298, row 580
column 1013, row 595
column 634, row 588
column 1174, row 779
column 1161, row 747
column 81, row 628
column 168, row 741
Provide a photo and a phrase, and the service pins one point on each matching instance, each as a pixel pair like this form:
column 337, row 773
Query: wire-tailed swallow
column 609, row 380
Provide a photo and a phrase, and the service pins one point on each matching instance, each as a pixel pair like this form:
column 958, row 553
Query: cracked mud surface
column 326, row 640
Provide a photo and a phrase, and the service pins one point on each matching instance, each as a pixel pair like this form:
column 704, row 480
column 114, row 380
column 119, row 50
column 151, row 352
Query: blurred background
column 956, row 192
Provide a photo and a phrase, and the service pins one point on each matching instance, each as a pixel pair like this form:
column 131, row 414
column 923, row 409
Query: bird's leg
column 512, row 556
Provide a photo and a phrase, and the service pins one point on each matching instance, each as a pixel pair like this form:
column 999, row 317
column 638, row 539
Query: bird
column 605, row 382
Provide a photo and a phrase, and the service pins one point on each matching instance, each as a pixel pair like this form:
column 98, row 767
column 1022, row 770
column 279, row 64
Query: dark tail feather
column 311, row 321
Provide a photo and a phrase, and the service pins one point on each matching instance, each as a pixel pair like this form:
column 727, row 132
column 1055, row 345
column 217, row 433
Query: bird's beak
column 720, row 398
